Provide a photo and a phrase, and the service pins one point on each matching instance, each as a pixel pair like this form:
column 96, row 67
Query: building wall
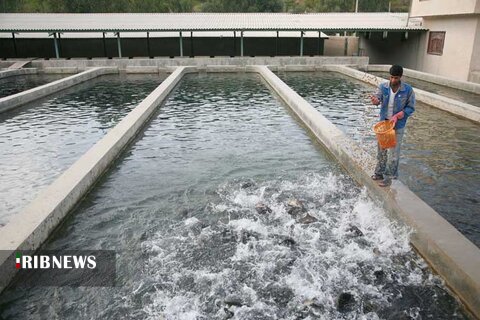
column 474, row 75
column 394, row 49
column 138, row 47
column 341, row 46
column 461, row 33
column 426, row 8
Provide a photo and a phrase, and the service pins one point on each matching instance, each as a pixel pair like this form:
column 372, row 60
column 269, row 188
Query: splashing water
column 225, row 208
column 232, row 262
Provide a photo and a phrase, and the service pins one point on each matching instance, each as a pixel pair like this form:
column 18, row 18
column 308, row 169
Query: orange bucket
column 385, row 134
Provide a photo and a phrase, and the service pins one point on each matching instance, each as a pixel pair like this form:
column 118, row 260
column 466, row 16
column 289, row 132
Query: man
column 397, row 101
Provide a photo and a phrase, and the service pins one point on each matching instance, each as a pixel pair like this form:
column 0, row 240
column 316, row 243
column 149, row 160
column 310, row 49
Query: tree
column 293, row 6
column 243, row 6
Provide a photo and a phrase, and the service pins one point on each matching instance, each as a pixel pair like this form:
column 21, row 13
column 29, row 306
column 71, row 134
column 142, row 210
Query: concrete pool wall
column 169, row 64
column 457, row 84
column 449, row 253
column 452, row 106
column 17, row 72
column 21, row 98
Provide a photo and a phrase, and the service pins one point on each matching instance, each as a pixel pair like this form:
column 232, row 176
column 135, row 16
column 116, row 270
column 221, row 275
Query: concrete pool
column 41, row 139
column 179, row 207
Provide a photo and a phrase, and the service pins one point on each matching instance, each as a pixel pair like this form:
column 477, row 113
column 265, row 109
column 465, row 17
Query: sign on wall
column 436, row 40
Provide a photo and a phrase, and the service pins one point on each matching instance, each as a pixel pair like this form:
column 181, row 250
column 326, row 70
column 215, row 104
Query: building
column 191, row 34
column 451, row 47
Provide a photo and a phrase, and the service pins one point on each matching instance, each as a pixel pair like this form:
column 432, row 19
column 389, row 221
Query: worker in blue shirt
column 397, row 101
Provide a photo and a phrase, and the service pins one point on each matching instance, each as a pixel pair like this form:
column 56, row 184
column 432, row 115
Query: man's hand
column 375, row 100
column 397, row 116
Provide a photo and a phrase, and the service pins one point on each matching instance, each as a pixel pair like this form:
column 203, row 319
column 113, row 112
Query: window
column 436, row 41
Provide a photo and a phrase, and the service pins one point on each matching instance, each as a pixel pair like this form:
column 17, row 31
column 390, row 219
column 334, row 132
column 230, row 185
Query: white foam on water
column 242, row 198
column 276, row 266
column 191, row 222
column 177, row 307
column 249, row 225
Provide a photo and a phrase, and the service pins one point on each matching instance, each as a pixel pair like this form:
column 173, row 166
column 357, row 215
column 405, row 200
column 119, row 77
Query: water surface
column 179, row 208
column 456, row 94
column 16, row 84
column 43, row 138
column 440, row 159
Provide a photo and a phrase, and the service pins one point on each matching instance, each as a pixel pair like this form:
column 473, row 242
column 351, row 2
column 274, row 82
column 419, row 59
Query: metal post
column 241, row 44
column 389, row 6
column 191, row 43
column 181, row 45
column 60, row 44
column 301, row 43
column 356, row 6
column 234, row 43
column 319, row 41
column 14, row 44
column 276, row 44
column 119, row 45
column 148, row 44
column 104, row 45
column 359, row 48
column 57, row 55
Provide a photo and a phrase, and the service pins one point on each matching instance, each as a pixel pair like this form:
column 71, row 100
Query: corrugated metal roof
column 171, row 34
column 38, row 22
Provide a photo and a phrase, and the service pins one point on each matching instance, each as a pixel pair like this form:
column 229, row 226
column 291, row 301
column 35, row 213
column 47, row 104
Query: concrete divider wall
column 452, row 83
column 447, row 104
column 6, row 64
column 21, row 98
column 377, row 67
column 124, row 63
column 30, row 228
column 17, row 72
column 457, row 84
column 60, row 70
column 449, row 253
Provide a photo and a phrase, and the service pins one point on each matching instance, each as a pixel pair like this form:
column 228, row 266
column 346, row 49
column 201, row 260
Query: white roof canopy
column 142, row 22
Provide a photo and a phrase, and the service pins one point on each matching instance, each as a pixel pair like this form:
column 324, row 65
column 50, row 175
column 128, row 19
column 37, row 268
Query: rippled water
column 460, row 95
column 440, row 153
column 179, row 208
column 16, row 84
column 40, row 140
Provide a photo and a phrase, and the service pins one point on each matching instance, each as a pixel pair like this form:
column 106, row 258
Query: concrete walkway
column 16, row 72
column 168, row 64
column 452, row 83
column 452, row 106
column 19, row 64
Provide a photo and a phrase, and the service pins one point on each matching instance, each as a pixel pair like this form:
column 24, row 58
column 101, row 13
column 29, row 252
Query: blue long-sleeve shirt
column 404, row 101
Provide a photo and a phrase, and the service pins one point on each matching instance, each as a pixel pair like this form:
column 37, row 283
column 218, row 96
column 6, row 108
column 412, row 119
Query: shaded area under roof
column 133, row 22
